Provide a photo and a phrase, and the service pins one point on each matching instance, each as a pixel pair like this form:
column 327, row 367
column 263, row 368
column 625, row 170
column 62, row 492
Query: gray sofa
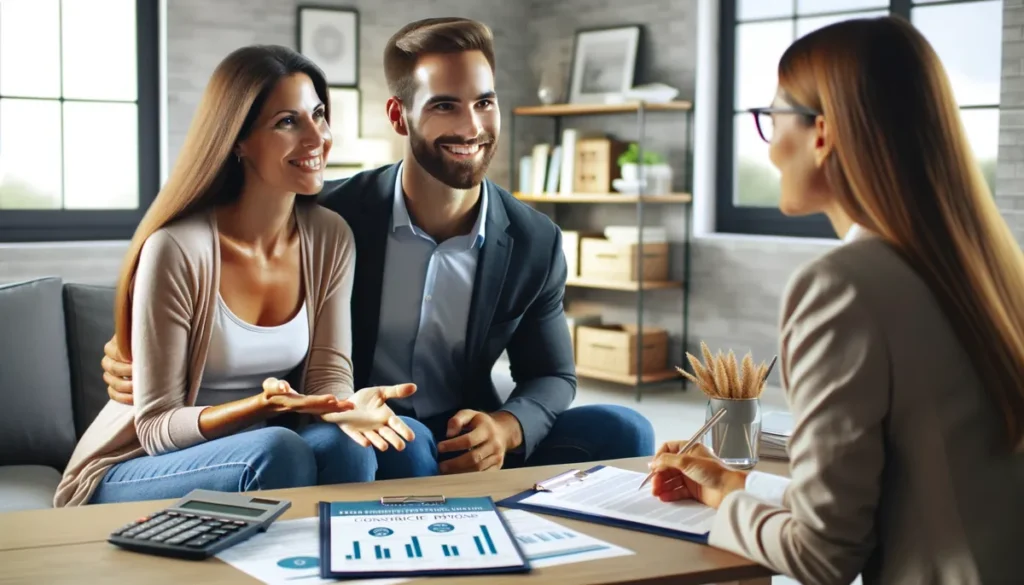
column 51, row 342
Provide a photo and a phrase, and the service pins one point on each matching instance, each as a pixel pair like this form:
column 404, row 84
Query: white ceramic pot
column 657, row 178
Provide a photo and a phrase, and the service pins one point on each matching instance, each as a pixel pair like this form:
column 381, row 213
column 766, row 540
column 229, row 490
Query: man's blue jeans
column 581, row 434
column 261, row 459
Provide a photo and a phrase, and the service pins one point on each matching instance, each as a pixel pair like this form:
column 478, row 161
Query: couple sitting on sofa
column 252, row 351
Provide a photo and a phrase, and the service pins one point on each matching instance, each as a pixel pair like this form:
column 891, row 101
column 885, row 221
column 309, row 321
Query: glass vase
column 735, row 438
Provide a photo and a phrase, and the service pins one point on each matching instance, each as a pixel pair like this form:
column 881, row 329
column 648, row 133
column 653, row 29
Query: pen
column 693, row 441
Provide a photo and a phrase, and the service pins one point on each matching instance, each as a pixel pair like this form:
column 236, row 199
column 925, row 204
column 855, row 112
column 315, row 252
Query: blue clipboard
column 516, row 502
column 324, row 513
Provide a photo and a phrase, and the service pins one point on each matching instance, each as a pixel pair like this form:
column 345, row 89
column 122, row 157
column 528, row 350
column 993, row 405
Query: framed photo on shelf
column 330, row 37
column 603, row 64
column 345, row 122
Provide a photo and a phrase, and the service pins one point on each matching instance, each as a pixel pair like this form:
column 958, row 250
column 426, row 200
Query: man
column 452, row 271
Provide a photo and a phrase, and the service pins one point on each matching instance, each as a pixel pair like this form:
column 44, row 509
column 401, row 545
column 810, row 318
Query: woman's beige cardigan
column 174, row 296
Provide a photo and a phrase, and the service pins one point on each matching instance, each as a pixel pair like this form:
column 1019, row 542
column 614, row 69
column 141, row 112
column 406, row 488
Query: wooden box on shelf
column 575, row 319
column 596, row 164
column 603, row 259
column 613, row 348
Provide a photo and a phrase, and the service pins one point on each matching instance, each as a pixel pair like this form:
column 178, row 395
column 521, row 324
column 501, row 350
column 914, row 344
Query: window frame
column 768, row 221
column 68, row 225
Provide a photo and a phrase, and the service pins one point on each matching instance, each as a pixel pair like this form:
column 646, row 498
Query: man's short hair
column 431, row 36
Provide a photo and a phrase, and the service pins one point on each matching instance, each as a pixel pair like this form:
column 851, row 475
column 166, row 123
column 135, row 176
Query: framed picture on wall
column 330, row 37
column 346, row 126
column 603, row 64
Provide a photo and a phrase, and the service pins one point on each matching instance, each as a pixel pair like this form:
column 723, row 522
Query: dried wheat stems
column 722, row 377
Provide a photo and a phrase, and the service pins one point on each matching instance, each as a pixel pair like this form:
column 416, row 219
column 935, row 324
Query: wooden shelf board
column 602, row 198
column 621, row 285
column 585, row 109
column 629, row 380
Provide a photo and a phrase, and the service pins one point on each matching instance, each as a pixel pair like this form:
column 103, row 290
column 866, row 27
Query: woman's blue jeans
column 261, row 459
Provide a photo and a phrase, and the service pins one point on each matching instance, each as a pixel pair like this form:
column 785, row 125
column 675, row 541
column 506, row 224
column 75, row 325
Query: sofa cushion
column 36, row 424
column 89, row 314
column 27, row 487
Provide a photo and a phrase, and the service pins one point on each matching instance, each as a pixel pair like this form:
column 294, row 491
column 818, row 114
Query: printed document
column 612, row 492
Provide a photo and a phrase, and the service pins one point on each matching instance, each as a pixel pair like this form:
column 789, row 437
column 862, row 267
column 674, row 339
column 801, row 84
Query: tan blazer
column 897, row 461
column 174, row 296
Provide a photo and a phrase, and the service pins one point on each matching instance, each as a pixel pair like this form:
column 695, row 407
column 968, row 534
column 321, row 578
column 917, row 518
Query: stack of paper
column 776, row 427
column 289, row 551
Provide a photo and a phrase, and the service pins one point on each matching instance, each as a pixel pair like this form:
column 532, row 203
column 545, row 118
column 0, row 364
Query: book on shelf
column 565, row 181
column 540, row 167
column 554, row 165
column 525, row 173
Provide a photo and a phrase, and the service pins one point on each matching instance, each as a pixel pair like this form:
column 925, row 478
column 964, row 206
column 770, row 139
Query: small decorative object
column 330, row 37
column 603, row 64
column 655, row 178
column 548, row 92
column 737, row 389
column 345, row 124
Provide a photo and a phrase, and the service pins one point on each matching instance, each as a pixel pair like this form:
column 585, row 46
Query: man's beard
column 455, row 174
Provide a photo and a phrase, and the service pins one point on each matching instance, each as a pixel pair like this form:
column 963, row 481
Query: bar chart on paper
column 366, row 538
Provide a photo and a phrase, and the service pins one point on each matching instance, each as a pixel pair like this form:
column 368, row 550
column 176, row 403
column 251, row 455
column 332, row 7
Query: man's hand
column 490, row 436
column 372, row 421
column 117, row 373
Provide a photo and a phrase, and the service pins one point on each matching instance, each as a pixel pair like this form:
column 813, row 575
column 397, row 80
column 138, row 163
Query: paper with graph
column 463, row 535
column 547, row 544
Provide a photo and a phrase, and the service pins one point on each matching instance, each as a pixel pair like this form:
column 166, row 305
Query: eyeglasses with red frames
column 763, row 118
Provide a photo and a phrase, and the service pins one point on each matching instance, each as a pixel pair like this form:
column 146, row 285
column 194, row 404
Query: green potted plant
column 656, row 172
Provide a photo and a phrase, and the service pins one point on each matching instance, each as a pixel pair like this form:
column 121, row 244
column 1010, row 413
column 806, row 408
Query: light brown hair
column 207, row 173
column 431, row 36
column 902, row 167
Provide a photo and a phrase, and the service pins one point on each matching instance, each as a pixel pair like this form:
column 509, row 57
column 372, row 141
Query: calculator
column 199, row 525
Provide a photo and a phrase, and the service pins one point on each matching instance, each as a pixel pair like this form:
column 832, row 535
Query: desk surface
column 69, row 545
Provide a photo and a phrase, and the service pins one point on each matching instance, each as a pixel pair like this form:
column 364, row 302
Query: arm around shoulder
column 835, row 369
column 163, row 302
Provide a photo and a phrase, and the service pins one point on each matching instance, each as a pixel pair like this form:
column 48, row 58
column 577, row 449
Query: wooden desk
column 69, row 545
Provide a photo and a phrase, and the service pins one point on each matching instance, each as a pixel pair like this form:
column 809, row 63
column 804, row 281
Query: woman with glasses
column 902, row 350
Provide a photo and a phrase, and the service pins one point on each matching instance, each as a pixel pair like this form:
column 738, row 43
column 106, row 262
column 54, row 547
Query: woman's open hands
column 371, row 421
column 278, row 396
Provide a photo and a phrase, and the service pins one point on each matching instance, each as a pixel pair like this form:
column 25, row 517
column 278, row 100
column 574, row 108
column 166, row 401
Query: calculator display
column 221, row 508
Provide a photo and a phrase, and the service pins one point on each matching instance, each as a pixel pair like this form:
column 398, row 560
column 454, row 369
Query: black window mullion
column 60, row 97
column 901, row 8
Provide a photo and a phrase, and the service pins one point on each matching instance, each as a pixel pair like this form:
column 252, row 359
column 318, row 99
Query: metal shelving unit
column 641, row 110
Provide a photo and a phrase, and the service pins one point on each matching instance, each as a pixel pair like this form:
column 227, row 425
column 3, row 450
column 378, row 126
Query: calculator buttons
column 218, row 532
column 202, row 541
column 189, row 524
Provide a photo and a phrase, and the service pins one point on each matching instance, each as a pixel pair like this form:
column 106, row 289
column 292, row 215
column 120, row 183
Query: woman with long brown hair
column 902, row 350
column 233, row 308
